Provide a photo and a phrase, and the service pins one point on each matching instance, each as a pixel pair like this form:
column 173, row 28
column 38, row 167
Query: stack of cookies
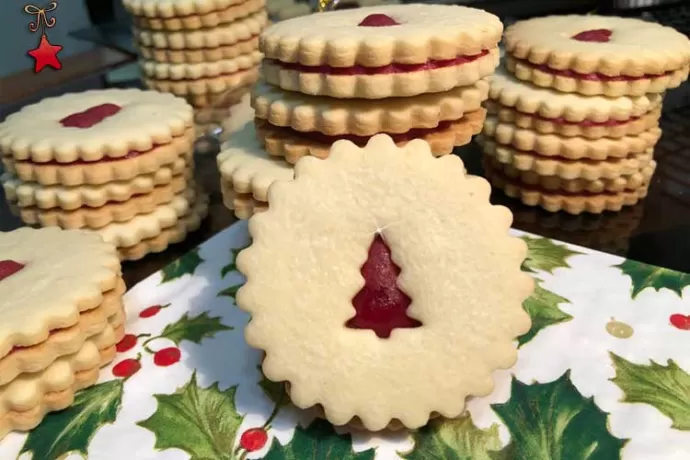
column 61, row 315
column 117, row 162
column 203, row 50
column 574, row 116
column 409, row 71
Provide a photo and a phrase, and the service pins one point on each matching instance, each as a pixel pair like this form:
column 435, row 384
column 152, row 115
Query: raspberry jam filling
column 129, row 155
column 593, row 35
column 380, row 305
column 594, row 76
column 320, row 138
column 90, row 117
column 9, row 268
column 378, row 20
column 387, row 69
column 584, row 123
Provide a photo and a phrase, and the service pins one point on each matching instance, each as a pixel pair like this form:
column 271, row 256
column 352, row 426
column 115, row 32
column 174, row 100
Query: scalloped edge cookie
column 146, row 120
column 364, row 117
column 571, row 148
column 243, row 205
column 99, row 173
column 175, row 72
column 292, row 147
column 194, row 21
column 566, row 169
column 241, row 78
column 349, row 192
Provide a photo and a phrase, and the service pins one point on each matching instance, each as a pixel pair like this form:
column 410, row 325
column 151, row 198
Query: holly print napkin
column 603, row 374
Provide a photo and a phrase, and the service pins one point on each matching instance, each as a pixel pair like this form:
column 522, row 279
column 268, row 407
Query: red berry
column 167, row 356
column 253, row 439
column 126, row 368
column 151, row 311
column 682, row 322
column 9, row 268
column 127, row 343
column 378, row 20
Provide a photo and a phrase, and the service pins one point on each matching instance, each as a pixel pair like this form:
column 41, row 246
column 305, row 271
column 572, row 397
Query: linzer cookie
column 382, row 51
column 572, row 148
column 569, row 114
column 363, row 226
column 293, row 124
column 243, row 205
column 189, row 14
column 572, row 203
column 595, row 55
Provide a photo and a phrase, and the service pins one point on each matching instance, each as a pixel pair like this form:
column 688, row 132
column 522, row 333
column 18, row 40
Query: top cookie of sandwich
column 94, row 125
column 442, row 42
column 175, row 8
column 601, row 55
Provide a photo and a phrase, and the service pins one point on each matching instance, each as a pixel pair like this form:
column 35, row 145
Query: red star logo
column 46, row 55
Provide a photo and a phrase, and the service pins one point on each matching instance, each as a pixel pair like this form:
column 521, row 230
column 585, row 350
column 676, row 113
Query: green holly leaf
column 553, row 421
column 542, row 307
column 545, row 255
column 318, row 442
column 185, row 265
column 230, row 292
column 231, row 267
column 202, row 422
column 667, row 388
column 71, row 430
column 193, row 329
column 456, row 439
column 275, row 391
column 645, row 276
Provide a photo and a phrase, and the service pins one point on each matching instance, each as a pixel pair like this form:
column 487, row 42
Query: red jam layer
column 387, row 69
column 380, row 305
column 90, row 117
column 593, row 35
column 9, row 268
column 594, row 76
column 320, row 138
column 129, row 155
column 378, row 20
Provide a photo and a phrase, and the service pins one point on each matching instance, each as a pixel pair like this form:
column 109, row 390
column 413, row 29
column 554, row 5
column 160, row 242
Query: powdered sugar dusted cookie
column 363, row 227
column 47, row 277
column 382, row 51
column 247, row 167
column 70, row 198
column 572, row 148
column 597, row 54
column 570, row 114
column 94, row 125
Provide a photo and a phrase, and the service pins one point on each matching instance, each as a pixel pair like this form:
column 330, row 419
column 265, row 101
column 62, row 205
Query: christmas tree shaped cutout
column 380, row 305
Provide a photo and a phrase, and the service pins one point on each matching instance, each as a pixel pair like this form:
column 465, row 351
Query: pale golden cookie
column 613, row 129
column 571, row 148
column 102, row 172
column 195, row 56
column 247, row 167
column 510, row 92
column 206, row 39
column 65, row 341
column 632, row 181
column 187, row 223
column 363, row 117
column 88, row 217
column 382, row 51
column 143, row 226
column 597, row 54
column 293, row 145
column 315, row 237
column 239, row 78
column 165, row 71
column 572, row 203
column 564, row 168
column 243, row 205
column 223, row 99
column 211, row 19
column 111, row 124
column 70, row 198
column 66, row 272
column 57, row 400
